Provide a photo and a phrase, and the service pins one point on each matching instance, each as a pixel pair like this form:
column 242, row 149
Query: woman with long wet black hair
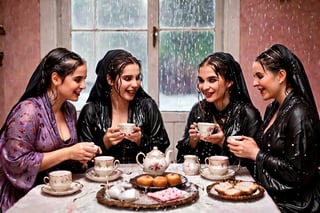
column 39, row 134
column 226, row 103
column 286, row 149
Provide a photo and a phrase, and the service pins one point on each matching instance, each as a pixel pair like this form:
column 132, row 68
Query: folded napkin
column 171, row 193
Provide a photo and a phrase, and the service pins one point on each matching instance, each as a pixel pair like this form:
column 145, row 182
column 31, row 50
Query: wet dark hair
column 118, row 63
column 279, row 57
column 112, row 64
column 220, row 63
column 273, row 60
column 229, row 69
column 59, row 60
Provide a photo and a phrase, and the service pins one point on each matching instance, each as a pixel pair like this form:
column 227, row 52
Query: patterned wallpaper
column 294, row 23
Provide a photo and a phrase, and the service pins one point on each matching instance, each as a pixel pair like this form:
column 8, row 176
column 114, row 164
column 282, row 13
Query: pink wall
column 21, row 47
column 1, row 67
column 294, row 23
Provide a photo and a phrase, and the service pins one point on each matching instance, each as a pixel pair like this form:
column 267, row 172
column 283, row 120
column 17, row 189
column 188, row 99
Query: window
column 100, row 25
column 186, row 36
column 170, row 37
column 182, row 34
column 223, row 31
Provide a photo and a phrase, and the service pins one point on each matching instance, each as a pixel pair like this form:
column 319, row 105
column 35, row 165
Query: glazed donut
column 173, row 179
column 160, row 181
column 145, row 180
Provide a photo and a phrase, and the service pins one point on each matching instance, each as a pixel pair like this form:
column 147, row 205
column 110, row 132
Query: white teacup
column 60, row 180
column 95, row 147
column 105, row 165
column 205, row 128
column 234, row 138
column 217, row 165
column 126, row 128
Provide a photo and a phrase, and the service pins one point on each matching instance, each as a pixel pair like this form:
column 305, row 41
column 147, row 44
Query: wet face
column 212, row 86
column 129, row 82
column 73, row 84
column 266, row 82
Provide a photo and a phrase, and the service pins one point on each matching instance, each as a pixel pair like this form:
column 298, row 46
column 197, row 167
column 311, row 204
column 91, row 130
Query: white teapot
column 155, row 163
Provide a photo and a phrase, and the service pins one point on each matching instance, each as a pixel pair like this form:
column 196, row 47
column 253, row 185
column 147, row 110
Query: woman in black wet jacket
column 286, row 149
column 226, row 103
column 117, row 97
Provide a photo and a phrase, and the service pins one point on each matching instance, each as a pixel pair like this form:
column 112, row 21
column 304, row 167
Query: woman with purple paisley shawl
column 39, row 134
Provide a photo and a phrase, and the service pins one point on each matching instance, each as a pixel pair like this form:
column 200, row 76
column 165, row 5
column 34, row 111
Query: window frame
column 55, row 31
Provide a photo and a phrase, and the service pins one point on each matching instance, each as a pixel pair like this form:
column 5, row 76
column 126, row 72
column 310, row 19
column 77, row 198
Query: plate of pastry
column 124, row 195
column 158, row 182
column 235, row 190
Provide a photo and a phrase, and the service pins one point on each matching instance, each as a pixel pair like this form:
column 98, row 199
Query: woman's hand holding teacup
column 244, row 148
column 216, row 138
column 194, row 135
column 135, row 136
column 83, row 151
column 112, row 137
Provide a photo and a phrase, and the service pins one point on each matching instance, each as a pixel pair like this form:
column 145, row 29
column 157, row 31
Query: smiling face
column 213, row 86
column 126, row 86
column 266, row 82
column 71, row 87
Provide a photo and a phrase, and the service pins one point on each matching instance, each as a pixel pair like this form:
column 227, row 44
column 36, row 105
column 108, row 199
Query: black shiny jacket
column 240, row 119
column 288, row 161
column 96, row 117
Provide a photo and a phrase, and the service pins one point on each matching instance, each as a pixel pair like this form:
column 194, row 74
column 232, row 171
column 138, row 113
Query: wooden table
column 85, row 200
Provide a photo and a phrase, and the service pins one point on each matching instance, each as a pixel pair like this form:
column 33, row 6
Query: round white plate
column 204, row 172
column 75, row 186
column 91, row 175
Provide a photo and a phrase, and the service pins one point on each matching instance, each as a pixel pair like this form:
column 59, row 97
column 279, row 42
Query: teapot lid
column 155, row 152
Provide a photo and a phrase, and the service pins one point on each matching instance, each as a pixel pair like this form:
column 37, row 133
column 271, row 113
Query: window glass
column 101, row 25
column 180, row 54
column 121, row 13
column 83, row 43
column 82, row 14
column 186, row 37
column 134, row 42
column 186, row 13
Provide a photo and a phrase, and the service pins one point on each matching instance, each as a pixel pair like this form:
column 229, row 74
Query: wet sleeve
column 20, row 161
column 183, row 145
column 153, row 130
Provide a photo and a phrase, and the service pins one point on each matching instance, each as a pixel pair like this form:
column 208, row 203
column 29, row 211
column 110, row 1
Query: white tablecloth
column 36, row 201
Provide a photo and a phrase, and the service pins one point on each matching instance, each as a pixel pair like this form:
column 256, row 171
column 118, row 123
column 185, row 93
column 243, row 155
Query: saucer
column 204, row 172
column 75, row 186
column 92, row 175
